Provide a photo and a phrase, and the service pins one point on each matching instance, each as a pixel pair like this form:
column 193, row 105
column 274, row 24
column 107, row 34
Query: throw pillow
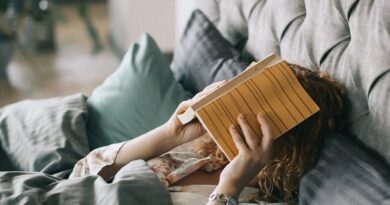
column 5, row 162
column 139, row 96
column 346, row 173
column 204, row 56
column 45, row 135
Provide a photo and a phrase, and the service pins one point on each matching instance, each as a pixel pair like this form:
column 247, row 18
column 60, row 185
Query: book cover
column 268, row 87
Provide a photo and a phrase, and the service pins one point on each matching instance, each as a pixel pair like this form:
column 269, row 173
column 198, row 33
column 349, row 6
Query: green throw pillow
column 139, row 96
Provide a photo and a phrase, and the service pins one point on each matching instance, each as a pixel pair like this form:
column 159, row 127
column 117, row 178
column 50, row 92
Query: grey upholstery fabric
column 203, row 56
column 346, row 174
column 45, row 135
column 348, row 38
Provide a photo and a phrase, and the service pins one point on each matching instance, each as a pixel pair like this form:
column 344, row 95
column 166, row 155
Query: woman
column 275, row 167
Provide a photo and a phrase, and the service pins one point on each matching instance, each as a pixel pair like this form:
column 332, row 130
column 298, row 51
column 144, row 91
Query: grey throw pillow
column 204, row 56
column 346, row 173
column 45, row 135
column 5, row 163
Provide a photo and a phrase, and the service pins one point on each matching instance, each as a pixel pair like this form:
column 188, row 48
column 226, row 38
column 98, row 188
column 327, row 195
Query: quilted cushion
column 348, row 38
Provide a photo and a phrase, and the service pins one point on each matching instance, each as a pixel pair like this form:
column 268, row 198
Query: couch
column 350, row 39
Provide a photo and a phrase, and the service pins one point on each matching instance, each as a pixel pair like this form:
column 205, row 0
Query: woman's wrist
column 228, row 189
column 167, row 130
column 172, row 138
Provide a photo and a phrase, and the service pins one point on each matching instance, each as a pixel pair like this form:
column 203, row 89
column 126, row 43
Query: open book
column 269, row 87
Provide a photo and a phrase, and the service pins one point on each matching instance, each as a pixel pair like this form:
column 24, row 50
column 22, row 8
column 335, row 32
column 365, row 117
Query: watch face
column 232, row 201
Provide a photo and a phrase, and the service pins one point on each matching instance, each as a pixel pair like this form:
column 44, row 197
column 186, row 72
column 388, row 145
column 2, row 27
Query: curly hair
column 297, row 150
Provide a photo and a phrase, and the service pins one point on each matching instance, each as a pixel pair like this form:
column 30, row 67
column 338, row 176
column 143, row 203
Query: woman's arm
column 253, row 155
column 161, row 139
column 146, row 146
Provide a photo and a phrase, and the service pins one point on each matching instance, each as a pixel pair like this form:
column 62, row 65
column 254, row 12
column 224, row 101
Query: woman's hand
column 194, row 129
column 253, row 155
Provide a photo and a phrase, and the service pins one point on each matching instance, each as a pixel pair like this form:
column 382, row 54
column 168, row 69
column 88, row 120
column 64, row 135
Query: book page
column 275, row 92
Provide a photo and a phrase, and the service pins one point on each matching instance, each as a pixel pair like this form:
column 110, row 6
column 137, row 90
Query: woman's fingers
column 266, row 130
column 209, row 89
column 237, row 138
column 183, row 106
column 251, row 138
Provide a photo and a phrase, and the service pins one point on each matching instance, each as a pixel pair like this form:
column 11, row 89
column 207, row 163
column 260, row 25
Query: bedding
column 134, row 184
column 44, row 139
column 45, row 135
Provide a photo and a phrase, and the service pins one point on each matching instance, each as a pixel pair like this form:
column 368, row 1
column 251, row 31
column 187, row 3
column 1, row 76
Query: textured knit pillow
column 139, row 96
column 45, row 135
column 204, row 56
column 347, row 174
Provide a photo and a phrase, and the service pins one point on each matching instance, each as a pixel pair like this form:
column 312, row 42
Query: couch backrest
column 350, row 39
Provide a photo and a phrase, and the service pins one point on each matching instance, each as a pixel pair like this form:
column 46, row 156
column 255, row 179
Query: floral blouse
column 169, row 167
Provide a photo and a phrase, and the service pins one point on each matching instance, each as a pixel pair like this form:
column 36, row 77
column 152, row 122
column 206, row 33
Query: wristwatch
column 228, row 200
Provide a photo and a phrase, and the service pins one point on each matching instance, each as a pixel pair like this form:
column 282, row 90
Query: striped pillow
column 348, row 174
column 204, row 56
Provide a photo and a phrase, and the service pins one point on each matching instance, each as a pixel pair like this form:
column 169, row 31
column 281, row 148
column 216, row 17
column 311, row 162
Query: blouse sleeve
column 96, row 160
column 174, row 166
